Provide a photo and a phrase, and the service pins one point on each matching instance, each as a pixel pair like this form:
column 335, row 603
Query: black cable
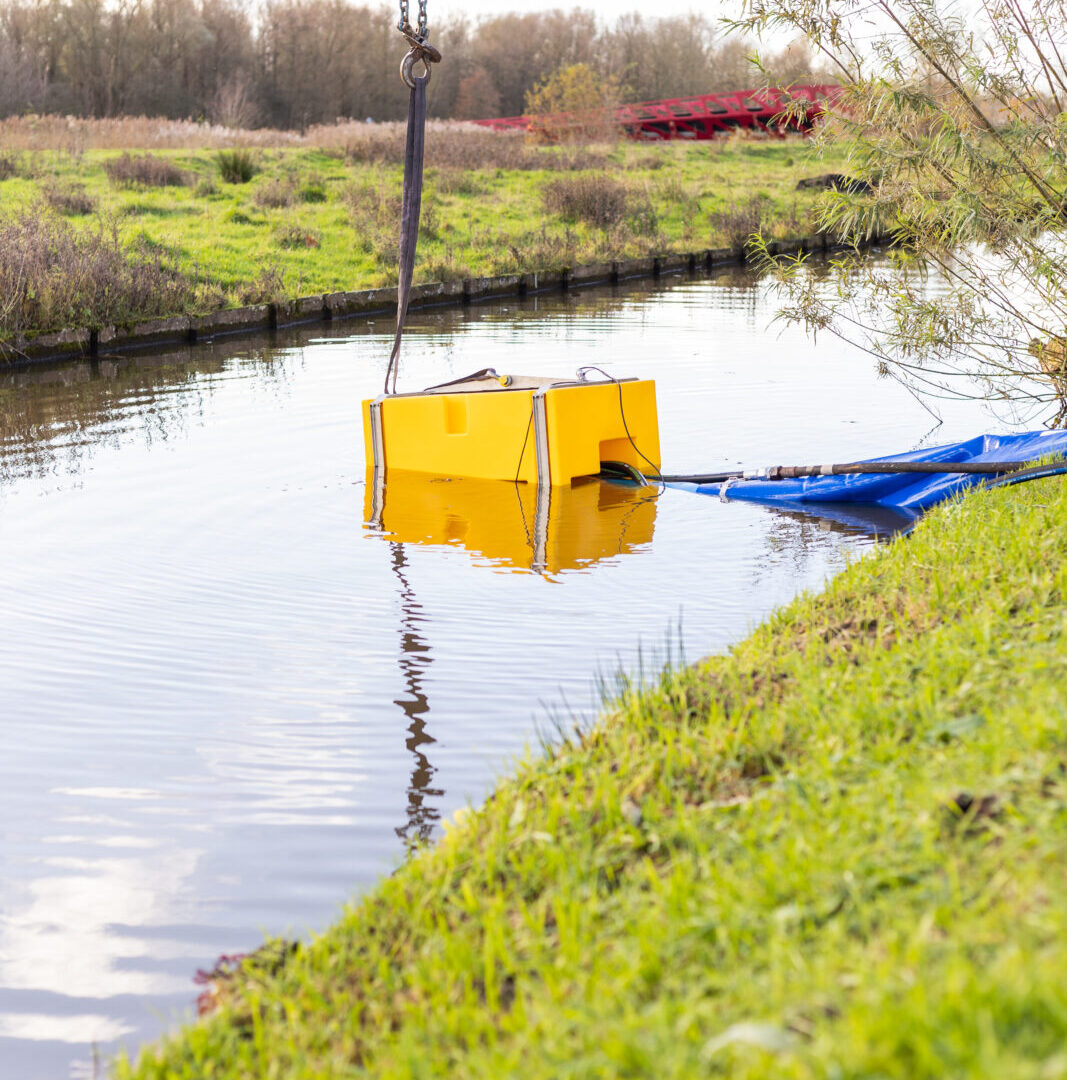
column 699, row 478
column 626, row 428
column 622, row 470
column 522, row 514
column 622, row 414
column 525, row 440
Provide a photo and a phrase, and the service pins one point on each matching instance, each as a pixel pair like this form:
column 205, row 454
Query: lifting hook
column 420, row 50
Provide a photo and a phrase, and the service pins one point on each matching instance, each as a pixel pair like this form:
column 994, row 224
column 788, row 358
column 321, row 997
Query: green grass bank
column 299, row 220
column 838, row 851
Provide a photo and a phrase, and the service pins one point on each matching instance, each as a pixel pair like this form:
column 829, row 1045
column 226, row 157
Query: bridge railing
column 699, row 117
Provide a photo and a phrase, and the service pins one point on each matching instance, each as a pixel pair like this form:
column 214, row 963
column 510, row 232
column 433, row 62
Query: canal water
column 228, row 705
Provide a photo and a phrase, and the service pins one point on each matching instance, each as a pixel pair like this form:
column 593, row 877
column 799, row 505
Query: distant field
column 321, row 210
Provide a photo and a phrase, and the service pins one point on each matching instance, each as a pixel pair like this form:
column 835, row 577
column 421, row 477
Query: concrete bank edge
column 330, row 307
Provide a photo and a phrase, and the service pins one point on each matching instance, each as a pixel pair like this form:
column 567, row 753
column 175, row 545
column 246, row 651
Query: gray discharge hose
column 792, row 472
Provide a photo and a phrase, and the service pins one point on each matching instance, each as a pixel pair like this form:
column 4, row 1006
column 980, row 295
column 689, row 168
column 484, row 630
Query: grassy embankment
column 839, row 851
column 323, row 215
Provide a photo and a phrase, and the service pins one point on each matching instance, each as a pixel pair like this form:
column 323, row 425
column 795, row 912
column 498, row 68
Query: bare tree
column 233, row 105
column 660, row 58
column 519, row 51
column 22, row 87
column 957, row 124
column 298, row 62
column 478, row 98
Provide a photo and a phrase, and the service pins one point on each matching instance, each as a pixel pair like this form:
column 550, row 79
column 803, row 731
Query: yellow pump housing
column 517, row 428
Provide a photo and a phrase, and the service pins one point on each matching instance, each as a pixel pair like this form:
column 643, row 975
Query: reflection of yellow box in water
column 528, row 429
column 521, row 525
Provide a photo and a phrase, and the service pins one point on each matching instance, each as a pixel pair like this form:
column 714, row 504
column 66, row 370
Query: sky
column 607, row 10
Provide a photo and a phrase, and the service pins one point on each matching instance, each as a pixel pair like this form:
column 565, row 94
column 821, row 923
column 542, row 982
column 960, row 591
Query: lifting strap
column 412, row 204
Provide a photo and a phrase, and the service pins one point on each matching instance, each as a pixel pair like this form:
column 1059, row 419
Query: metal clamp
column 377, row 438
column 540, row 426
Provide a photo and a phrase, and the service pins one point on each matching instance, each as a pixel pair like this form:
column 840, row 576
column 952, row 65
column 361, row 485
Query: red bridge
column 703, row 116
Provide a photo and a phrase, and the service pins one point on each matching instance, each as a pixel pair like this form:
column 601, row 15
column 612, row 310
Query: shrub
column 672, row 190
column 293, row 236
column 374, row 213
column 313, row 192
column 209, row 296
column 594, row 198
column 739, row 222
column 787, row 223
column 273, row 194
column 459, row 182
column 145, row 170
column 66, row 198
column 430, row 223
column 54, row 276
column 446, row 267
column 206, row 186
column 643, row 219
column 268, row 288
column 575, row 103
column 234, row 216
column 236, row 166
column 9, row 165
column 373, row 205
column 542, row 248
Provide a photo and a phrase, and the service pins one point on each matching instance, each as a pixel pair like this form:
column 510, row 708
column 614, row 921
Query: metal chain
column 404, row 26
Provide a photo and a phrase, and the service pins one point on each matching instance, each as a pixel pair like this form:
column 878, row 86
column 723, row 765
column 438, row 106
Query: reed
column 237, row 166
column 451, row 144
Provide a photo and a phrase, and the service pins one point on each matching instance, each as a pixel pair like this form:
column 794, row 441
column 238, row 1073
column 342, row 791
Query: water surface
column 228, row 704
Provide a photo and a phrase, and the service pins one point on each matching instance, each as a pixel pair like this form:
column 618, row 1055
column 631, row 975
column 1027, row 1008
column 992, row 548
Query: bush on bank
column 838, row 851
column 53, row 275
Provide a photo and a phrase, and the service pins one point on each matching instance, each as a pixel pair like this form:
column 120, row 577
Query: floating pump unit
column 518, row 428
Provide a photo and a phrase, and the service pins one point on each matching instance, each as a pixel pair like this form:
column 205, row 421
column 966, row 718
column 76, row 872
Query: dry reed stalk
column 450, row 144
